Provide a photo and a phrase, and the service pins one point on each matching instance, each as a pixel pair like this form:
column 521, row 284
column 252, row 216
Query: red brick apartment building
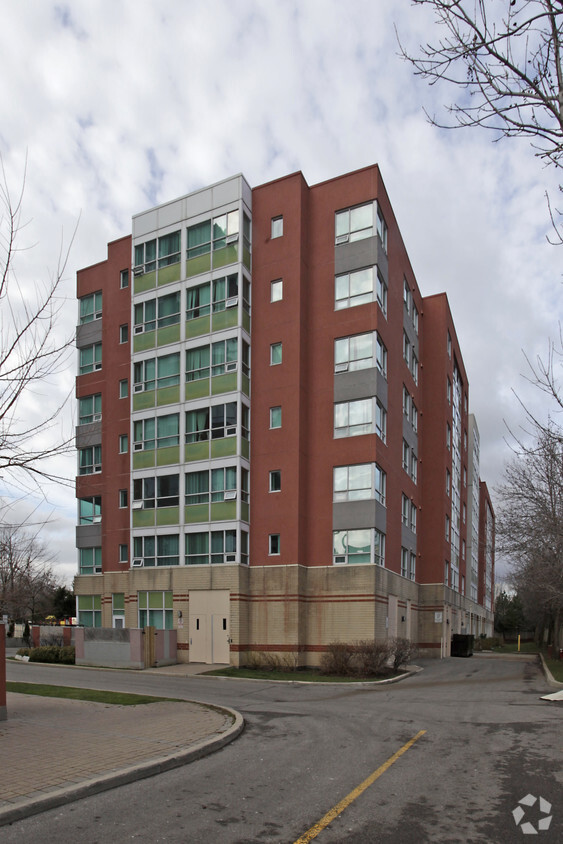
column 274, row 445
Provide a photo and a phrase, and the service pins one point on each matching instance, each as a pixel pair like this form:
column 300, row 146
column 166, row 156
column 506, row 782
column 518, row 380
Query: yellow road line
column 339, row 808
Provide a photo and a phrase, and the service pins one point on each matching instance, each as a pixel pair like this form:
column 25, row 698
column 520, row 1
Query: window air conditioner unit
column 230, row 495
column 96, row 417
column 97, row 366
column 98, row 315
column 231, row 366
column 341, row 367
column 139, row 270
column 231, row 238
column 230, row 558
column 137, row 446
column 96, row 519
column 139, row 329
column 230, row 432
column 232, row 302
column 98, row 468
column 137, row 562
column 342, row 238
column 138, row 388
column 137, row 505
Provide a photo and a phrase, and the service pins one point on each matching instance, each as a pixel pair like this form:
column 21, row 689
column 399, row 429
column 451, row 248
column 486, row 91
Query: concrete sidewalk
column 54, row 750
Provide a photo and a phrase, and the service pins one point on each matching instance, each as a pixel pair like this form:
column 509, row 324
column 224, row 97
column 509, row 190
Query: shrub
column 403, row 651
column 50, row 653
column 370, row 658
column 487, row 643
column 337, row 659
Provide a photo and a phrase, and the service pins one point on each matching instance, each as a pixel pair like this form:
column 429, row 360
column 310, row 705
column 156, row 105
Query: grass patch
column 94, row 695
column 307, row 675
column 512, row 648
column 555, row 666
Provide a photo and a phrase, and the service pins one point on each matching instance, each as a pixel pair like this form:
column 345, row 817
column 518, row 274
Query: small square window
column 124, row 279
column 123, row 443
column 275, row 417
column 275, row 481
column 274, row 544
column 123, row 333
column 123, row 498
column 276, row 290
column 123, row 388
column 277, row 227
column 123, row 553
column 275, row 354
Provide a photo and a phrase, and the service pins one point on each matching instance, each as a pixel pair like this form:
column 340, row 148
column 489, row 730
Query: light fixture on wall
column 180, row 614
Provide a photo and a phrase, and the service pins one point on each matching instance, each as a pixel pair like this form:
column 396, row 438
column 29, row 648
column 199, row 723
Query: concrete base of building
column 227, row 614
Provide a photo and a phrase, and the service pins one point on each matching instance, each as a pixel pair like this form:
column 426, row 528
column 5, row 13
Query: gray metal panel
column 88, row 434
column 350, row 515
column 89, row 333
column 408, row 538
column 360, row 384
column 354, row 256
column 171, row 214
column 145, row 223
column 227, row 192
column 409, row 434
column 88, row 536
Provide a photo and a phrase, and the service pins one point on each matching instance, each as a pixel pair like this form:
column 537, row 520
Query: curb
column 548, row 675
column 26, row 808
column 414, row 669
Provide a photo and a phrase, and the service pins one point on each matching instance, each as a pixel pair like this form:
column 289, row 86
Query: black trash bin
column 462, row 644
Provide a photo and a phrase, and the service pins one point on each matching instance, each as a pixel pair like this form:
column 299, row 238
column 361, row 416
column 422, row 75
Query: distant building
column 274, row 444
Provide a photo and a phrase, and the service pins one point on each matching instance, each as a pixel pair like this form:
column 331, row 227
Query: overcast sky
column 125, row 104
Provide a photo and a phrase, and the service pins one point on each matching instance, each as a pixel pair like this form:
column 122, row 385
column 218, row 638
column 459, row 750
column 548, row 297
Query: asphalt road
column 489, row 741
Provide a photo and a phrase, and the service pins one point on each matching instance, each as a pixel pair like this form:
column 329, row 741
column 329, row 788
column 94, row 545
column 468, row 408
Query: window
column 197, row 363
column 159, row 313
column 156, row 609
column 415, row 321
column 123, row 498
column 449, row 345
column 90, row 610
column 406, row 456
column 381, row 228
column 353, row 418
column 123, row 443
column 404, row 562
column 274, row 544
column 406, row 402
column 277, row 227
column 215, row 485
column 215, row 548
column 219, row 420
column 448, row 436
column 275, row 417
column 90, row 358
column 449, row 391
column 224, row 483
column 275, row 354
column 90, row 460
column 354, row 288
column 405, row 510
column 124, row 279
column 123, row 333
column 123, row 389
column 167, row 373
column 90, row 560
column 225, row 293
column 357, row 352
column 414, row 467
column 198, row 301
column 448, row 481
column 354, row 223
column 168, row 252
column 90, row 409
column 380, row 421
column 276, row 290
column 407, row 297
column 414, row 416
column 414, row 367
column 380, row 479
column 163, row 491
column 381, row 294
column 225, row 230
column 90, row 510
column 381, row 356
column 406, row 349
column 352, row 547
column 199, row 239
column 123, row 553
column 352, row 483
column 164, row 431
column 412, row 570
column 275, row 481
column 145, row 257
column 90, row 307
column 224, row 356
column 447, row 525
column 413, row 517
column 167, row 548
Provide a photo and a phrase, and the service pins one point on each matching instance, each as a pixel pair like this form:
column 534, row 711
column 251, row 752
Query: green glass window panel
column 85, row 602
column 197, row 513
column 167, row 456
column 223, row 511
column 168, row 275
column 143, row 459
column 225, row 319
column 90, row 306
column 246, row 321
column 244, row 511
column 145, row 282
column 246, row 257
column 142, row 401
column 197, row 487
column 224, row 383
column 88, row 407
column 143, row 342
column 97, row 602
column 225, row 447
column 197, row 548
column 196, row 266
column 246, row 385
column 142, row 600
column 196, row 451
column 245, row 448
column 169, row 395
column 169, row 249
column 168, row 430
column 118, row 601
column 167, row 516
column 168, row 370
column 168, row 335
column 139, row 254
column 143, row 518
column 155, row 600
column 197, row 327
column 169, row 310
column 224, row 257
column 168, row 600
